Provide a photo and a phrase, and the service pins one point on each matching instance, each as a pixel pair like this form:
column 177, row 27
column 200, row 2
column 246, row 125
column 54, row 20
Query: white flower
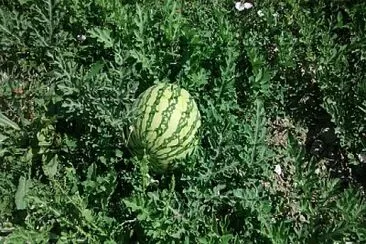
column 240, row 6
column 248, row 5
column 362, row 157
column 81, row 38
column 278, row 169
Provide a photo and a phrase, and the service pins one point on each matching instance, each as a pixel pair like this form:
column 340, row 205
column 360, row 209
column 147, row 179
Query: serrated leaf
column 91, row 171
column 50, row 169
column 20, row 194
column 225, row 239
column 131, row 205
column 103, row 36
column 110, row 242
column 94, row 70
column 103, row 160
column 3, row 137
column 119, row 153
column 6, row 122
column 238, row 193
column 202, row 240
column 87, row 214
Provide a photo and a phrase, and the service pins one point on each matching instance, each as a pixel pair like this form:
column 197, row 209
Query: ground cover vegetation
column 281, row 90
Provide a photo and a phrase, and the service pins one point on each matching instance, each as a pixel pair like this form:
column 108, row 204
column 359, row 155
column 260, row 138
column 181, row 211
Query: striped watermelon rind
column 165, row 126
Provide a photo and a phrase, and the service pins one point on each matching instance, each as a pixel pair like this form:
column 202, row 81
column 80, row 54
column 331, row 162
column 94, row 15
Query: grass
column 279, row 85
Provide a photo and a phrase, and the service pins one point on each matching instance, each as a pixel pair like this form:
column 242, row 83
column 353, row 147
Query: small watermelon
column 166, row 124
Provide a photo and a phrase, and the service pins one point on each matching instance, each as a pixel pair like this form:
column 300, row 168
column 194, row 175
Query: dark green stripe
column 134, row 140
column 142, row 111
column 184, row 139
column 167, row 114
column 153, row 111
column 183, row 122
column 145, row 96
column 178, row 149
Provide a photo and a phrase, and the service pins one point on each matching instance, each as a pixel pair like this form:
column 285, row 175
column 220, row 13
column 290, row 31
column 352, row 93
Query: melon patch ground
column 277, row 140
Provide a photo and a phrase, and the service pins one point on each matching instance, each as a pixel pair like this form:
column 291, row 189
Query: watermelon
column 165, row 126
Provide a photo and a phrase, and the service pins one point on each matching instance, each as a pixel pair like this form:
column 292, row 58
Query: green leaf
column 87, row 214
column 50, row 169
column 3, row 137
column 6, row 122
column 94, row 70
column 203, row 240
column 91, row 173
column 110, row 242
column 132, row 205
column 103, row 36
column 238, row 193
column 226, row 238
column 119, row 153
column 21, row 192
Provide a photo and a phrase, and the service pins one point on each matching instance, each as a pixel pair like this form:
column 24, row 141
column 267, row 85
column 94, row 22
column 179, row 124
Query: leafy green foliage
column 70, row 71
